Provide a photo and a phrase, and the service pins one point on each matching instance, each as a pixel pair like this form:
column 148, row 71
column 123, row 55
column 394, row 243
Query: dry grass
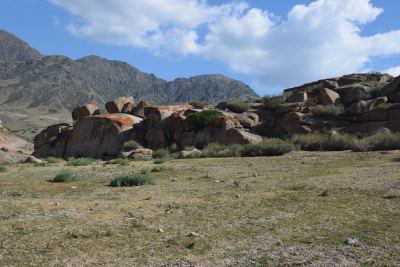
column 297, row 209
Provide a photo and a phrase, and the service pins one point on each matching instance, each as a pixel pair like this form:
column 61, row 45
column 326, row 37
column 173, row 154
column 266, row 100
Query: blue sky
column 268, row 44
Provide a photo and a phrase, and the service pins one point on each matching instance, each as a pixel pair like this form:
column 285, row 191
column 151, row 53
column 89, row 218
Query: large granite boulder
column 85, row 111
column 159, row 113
column 328, row 97
column 297, row 97
column 52, row 141
column 248, row 119
column 138, row 110
column 123, row 104
column 100, row 136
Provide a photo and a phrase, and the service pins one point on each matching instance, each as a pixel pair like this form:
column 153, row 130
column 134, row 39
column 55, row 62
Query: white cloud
column 395, row 71
column 318, row 40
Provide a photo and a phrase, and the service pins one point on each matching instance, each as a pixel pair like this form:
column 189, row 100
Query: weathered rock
column 52, row 141
column 100, row 136
column 353, row 93
column 50, row 134
column 33, row 159
column 248, row 119
column 394, row 112
column 391, row 89
column 328, row 97
column 141, row 154
column 138, row 111
column 159, row 113
column 195, row 153
column 289, row 107
column 297, row 97
column 378, row 114
column 291, row 124
column 123, row 104
column 240, row 136
column 358, row 108
column 85, row 111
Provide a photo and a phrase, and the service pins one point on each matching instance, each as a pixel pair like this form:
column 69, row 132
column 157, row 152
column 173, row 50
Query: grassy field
column 298, row 209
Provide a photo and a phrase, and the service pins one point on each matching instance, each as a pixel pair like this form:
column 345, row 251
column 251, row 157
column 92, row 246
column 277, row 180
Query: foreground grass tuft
column 162, row 169
column 64, row 176
column 3, row 168
column 80, row 161
column 54, row 160
column 122, row 162
column 269, row 147
column 162, row 160
column 132, row 180
column 131, row 145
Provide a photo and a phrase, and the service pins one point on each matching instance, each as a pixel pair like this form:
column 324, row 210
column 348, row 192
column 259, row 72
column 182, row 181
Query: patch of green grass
column 132, row 180
column 40, row 164
column 122, row 162
column 162, row 169
column 160, row 153
column 54, row 160
column 64, row 176
column 200, row 120
column 324, row 142
column 162, row 160
column 80, row 161
column 269, row 147
column 3, row 168
column 379, row 141
column 328, row 110
column 131, row 145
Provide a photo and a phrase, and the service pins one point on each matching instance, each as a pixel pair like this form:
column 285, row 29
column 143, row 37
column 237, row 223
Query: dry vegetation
column 297, row 209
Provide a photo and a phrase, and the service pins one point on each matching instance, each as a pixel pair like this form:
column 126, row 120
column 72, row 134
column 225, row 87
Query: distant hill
column 32, row 82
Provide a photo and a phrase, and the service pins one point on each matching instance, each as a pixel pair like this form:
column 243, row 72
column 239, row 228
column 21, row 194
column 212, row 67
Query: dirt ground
column 305, row 208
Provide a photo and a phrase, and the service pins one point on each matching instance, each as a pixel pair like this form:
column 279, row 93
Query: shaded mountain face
column 30, row 81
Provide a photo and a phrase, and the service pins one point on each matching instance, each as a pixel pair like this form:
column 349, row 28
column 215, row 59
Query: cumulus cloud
column 317, row 40
column 395, row 71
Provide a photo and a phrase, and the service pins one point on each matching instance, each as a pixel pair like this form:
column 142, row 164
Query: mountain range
column 39, row 84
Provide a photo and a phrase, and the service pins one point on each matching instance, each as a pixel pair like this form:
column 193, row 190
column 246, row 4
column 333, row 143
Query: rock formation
column 357, row 103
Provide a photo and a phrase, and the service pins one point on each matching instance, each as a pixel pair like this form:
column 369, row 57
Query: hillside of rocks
column 38, row 84
column 359, row 104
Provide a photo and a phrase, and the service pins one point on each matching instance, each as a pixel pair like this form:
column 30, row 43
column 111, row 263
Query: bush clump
column 54, row 160
column 324, row 142
column 215, row 150
column 269, row 147
column 131, row 145
column 161, row 169
column 379, row 141
column 201, row 120
column 198, row 104
column 64, row 176
column 122, row 162
column 162, row 160
column 132, row 180
column 3, row 168
column 80, row 161
column 237, row 106
column 328, row 110
column 272, row 102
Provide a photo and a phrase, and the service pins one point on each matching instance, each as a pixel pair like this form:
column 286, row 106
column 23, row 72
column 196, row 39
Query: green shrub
column 122, row 162
column 3, row 168
column 200, row 120
column 54, row 160
column 64, row 176
column 161, row 169
column 80, row 161
column 132, row 180
column 272, row 102
column 40, row 164
column 324, row 142
column 198, row 104
column 237, row 105
column 328, row 110
column 379, row 141
column 161, row 153
column 215, row 150
column 162, row 160
column 130, row 145
column 269, row 147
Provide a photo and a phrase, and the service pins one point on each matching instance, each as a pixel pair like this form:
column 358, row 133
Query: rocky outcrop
column 328, row 97
column 124, row 104
column 85, row 111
